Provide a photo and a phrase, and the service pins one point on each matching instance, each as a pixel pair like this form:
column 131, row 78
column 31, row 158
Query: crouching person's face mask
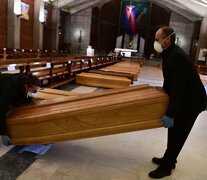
column 31, row 94
column 32, row 91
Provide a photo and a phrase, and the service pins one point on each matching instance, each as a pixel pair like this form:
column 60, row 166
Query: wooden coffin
column 125, row 67
column 47, row 93
column 128, row 64
column 112, row 73
column 88, row 115
column 122, row 70
column 101, row 80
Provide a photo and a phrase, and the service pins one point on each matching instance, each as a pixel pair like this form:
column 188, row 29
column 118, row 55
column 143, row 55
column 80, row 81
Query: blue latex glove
column 6, row 140
column 168, row 121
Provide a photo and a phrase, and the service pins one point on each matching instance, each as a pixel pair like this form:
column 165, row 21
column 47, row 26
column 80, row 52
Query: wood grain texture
column 129, row 67
column 47, row 93
column 26, row 34
column 3, row 24
column 101, row 80
column 97, row 71
column 90, row 115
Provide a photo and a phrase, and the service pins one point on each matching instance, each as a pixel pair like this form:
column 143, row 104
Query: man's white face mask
column 157, row 45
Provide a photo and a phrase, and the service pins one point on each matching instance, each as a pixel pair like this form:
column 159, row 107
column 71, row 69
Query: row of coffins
column 87, row 115
column 131, row 67
column 118, row 75
column 101, row 80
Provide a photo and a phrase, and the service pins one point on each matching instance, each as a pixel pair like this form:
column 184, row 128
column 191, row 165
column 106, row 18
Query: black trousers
column 177, row 136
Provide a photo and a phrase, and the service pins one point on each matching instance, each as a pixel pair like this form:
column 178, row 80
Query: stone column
column 78, row 34
column 38, row 26
column 203, row 36
column 13, row 25
column 55, row 25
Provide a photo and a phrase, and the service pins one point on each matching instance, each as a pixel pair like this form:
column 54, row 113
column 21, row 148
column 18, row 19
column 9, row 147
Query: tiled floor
column 124, row 156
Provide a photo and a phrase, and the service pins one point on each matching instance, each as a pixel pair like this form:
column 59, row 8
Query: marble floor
column 124, row 156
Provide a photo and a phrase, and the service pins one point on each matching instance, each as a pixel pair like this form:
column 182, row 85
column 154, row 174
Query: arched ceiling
column 191, row 9
column 74, row 6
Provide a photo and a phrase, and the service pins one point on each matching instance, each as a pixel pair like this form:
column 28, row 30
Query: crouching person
column 15, row 90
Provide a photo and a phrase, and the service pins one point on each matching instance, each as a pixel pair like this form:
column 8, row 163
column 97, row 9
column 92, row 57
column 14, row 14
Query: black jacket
column 12, row 93
column 182, row 83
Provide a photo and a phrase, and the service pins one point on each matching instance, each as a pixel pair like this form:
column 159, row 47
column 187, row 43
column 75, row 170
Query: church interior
column 97, row 112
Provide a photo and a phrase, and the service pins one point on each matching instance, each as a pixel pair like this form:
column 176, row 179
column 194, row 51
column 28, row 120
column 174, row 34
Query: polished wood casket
column 102, row 80
column 129, row 67
column 87, row 115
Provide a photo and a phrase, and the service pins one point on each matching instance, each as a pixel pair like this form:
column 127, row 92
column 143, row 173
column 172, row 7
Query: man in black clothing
column 187, row 98
column 15, row 90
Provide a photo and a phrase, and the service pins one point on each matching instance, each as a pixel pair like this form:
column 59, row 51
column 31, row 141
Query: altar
column 125, row 52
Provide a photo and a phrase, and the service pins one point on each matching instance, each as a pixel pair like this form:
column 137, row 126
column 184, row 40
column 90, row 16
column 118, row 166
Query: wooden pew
column 61, row 72
column 109, row 60
column 202, row 69
column 76, row 66
column 89, row 115
column 96, row 62
column 52, row 71
column 60, row 67
column 40, row 69
column 31, row 53
column 22, row 65
column 11, row 68
column 85, row 64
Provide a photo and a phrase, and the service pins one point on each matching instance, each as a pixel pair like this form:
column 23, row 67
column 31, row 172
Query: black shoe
column 158, row 161
column 160, row 172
